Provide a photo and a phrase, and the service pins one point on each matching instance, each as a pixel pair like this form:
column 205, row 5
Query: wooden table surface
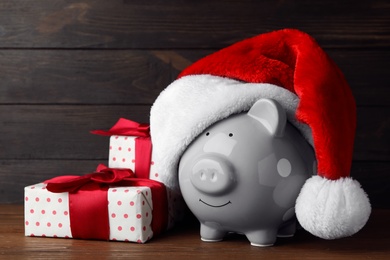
column 183, row 242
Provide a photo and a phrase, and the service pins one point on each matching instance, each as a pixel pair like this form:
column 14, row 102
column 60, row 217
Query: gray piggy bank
column 244, row 173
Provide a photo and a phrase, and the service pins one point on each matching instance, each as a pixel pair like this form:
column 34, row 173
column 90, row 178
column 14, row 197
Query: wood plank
column 53, row 132
column 17, row 174
column 183, row 242
column 81, row 77
column 373, row 126
column 62, row 132
column 374, row 178
column 367, row 83
column 137, row 77
column 196, row 24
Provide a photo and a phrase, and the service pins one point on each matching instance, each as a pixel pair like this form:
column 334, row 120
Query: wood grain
column 17, row 174
column 183, row 242
column 171, row 24
column 82, row 77
column 137, row 77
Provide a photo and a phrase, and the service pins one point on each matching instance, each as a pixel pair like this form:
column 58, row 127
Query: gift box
column 122, row 154
column 110, row 204
column 130, row 147
column 126, row 201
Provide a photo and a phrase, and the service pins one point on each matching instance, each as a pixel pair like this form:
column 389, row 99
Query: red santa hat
column 291, row 68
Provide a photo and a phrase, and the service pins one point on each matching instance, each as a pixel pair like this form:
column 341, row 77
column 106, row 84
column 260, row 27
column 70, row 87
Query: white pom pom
column 332, row 208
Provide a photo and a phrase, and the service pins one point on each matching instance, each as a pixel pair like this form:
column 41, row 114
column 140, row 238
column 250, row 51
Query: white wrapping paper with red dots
column 122, row 155
column 130, row 213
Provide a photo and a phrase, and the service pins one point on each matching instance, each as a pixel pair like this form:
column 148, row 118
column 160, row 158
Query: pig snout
column 213, row 175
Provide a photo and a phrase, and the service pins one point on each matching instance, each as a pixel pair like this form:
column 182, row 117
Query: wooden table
column 183, row 242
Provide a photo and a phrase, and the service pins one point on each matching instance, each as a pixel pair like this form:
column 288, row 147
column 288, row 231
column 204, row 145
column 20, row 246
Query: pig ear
column 270, row 114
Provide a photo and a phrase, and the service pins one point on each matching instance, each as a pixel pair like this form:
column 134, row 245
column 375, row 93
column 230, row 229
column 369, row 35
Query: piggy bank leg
column 288, row 228
column 211, row 233
column 262, row 238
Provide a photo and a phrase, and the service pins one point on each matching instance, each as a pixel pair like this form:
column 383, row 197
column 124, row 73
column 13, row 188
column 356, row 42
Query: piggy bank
column 244, row 173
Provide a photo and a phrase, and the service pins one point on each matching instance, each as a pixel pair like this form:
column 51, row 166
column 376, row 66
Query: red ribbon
column 126, row 127
column 88, row 204
column 143, row 144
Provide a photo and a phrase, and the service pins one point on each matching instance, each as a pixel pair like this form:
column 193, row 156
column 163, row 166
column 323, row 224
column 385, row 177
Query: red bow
column 88, row 203
column 143, row 145
column 126, row 127
column 102, row 175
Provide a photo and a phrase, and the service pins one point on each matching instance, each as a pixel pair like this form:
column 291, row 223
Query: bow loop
column 110, row 175
column 67, row 183
column 126, row 127
column 102, row 175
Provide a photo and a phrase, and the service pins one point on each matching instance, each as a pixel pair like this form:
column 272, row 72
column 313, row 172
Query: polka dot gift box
column 131, row 148
column 129, row 213
column 122, row 202
column 109, row 204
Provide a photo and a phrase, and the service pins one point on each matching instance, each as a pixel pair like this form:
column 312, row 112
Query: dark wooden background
column 67, row 67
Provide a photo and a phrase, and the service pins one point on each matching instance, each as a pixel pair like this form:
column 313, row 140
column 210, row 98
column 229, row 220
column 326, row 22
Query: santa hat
column 289, row 67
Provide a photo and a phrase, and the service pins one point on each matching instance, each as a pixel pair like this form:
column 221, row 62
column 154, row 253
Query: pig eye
column 230, row 134
column 208, row 133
